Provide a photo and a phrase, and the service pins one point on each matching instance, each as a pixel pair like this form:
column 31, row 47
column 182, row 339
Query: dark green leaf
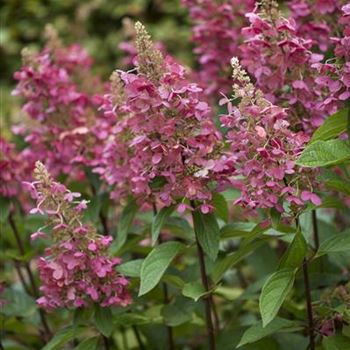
column 257, row 331
column 88, row 344
column 208, row 233
column 125, row 222
column 337, row 342
column 325, row 153
column 332, row 127
column 295, row 253
column 62, row 337
column 336, row 244
column 221, row 207
column 103, row 320
column 131, row 268
column 159, row 220
column 229, row 261
column 4, row 209
column 193, row 290
column 237, row 229
column 274, row 292
column 156, row 263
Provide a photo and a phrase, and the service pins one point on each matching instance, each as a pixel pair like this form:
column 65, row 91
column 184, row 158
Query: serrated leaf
column 257, row 331
column 62, row 337
column 159, row 220
column 336, row 244
column 207, row 232
column 103, row 320
column 325, row 153
column 295, row 253
column 125, row 222
column 274, row 292
column 333, row 126
column 275, row 217
column 88, row 344
column 193, row 290
column 131, row 268
column 220, row 204
column 229, row 261
column 156, row 263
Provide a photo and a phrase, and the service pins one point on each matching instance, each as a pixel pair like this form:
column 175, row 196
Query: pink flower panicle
column 56, row 87
column 264, row 150
column 216, row 34
column 13, row 169
column 316, row 20
column 76, row 270
column 163, row 143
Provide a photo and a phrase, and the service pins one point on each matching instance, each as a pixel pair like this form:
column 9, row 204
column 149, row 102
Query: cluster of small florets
column 216, row 34
column 76, row 270
column 317, row 20
column 334, row 77
column 163, row 143
column 13, row 166
column 264, row 150
column 57, row 99
column 282, row 64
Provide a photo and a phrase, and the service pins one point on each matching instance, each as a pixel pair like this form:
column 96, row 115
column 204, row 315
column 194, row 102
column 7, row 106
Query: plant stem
column 105, row 342
column 208, row 301
column 315, row 229
column 47, row 331
column 138, row 338
column 310, row 317
column 171, row 341
column 309, row 306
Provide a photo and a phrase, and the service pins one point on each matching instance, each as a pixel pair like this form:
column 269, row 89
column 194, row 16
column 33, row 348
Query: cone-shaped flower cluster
column 13, row 166
column 164, row 144
column 264, row 150
column 317, row 20
column 56, row 86
column 76, row 270
column 216, row 34
column 282, row 64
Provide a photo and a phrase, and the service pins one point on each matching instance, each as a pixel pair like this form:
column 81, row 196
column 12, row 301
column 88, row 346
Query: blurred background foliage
column 95, row 24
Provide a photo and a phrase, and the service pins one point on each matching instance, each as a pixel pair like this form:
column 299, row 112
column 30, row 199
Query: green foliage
column 156, row 263
column 274, row 292
column 103, row 320
column 207, row 232
column 159, row 220
column 332, row 127
column 325, row 153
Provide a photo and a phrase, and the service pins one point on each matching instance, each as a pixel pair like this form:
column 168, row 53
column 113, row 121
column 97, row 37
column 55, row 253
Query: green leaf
column 103, row 320
column 275, row 217
column 221, row 207
column 88, row 344
column 257, row 331
column 333, row 126
column 273, row 293
column 336, row 244
column 337, row 342
column 131, row 319
column 325, row 153
column 159, row 220
column 125, row 222
column 207, row 232
column 178, row 313
column 295, row 253
column 131, row 268
column 4, row 209
column 229, row 261
column 193, row 290
column 62, row 337
column 237, row 229
column 156, row 263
